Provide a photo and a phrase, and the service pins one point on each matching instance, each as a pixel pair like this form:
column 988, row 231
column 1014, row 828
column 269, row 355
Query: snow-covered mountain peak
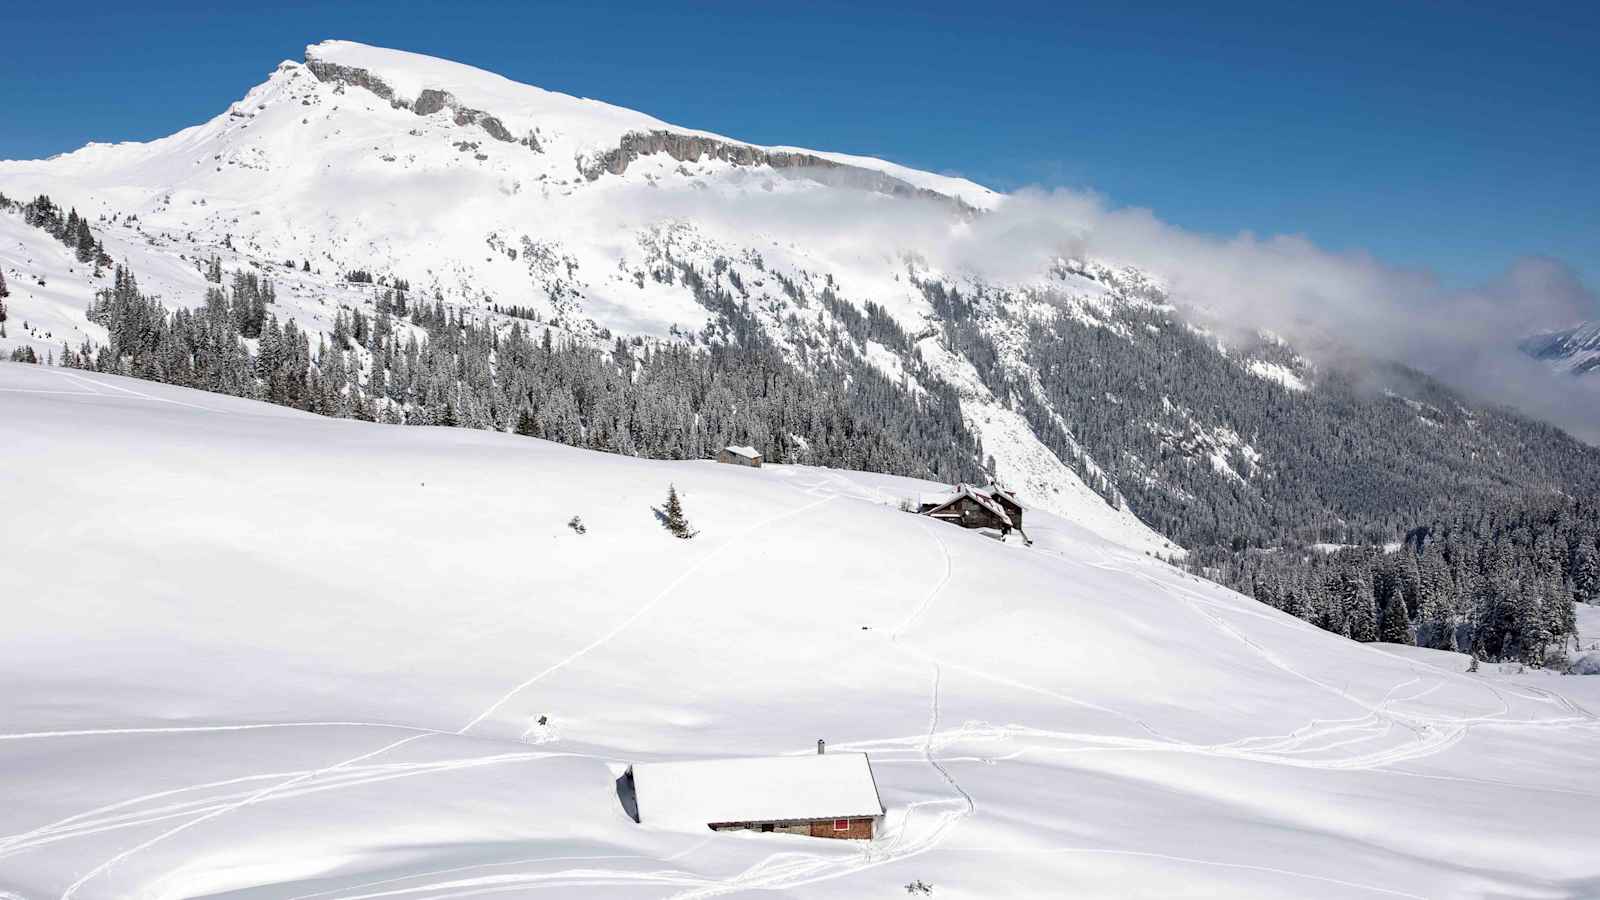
column 597, row 135
column 593, row 220
column 424, row 84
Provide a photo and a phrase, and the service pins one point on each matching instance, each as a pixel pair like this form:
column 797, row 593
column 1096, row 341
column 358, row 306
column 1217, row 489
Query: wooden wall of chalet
column 1012, row 509
column 858, row 829
column 972, row 515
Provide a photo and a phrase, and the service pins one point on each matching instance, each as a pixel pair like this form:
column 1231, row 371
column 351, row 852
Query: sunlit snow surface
column 255, row 653
column 301, row 170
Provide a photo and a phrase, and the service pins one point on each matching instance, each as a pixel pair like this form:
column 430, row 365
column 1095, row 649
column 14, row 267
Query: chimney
column 822, row 746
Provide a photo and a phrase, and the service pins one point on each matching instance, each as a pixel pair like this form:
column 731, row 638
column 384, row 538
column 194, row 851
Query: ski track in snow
column 270, row 791
column 789, row 869
column 1435, row 733
column 641, row 611
column 1271, row 749
column 92, row 385
column 188, row 729
column 1189, row 860
column 340, row 892
column 779, row 871
column 105, row 818
column 253, row 798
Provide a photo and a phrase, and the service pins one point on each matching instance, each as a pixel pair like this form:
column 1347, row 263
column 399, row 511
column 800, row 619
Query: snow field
column 254, row 653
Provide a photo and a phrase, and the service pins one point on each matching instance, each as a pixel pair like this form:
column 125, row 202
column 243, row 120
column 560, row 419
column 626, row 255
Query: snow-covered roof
column 759, row 789
column 977, row 495
column 746, row 452
column 1000, row 493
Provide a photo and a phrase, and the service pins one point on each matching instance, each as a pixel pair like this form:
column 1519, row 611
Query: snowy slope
column 1574, row 350
column 255, row 653
column 482, row 191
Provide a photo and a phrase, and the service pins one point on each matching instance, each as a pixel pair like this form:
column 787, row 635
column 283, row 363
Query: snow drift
column 252, row 652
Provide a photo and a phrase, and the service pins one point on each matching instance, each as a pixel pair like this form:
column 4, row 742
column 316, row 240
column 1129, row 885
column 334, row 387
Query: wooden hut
column 974, row 507
column 740, row 456
column 1008, row 502
column 826, row 795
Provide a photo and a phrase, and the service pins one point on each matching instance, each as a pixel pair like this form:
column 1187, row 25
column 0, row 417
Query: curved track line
column 640, row 612
column 142, row 396
column 269, row 791
column 185, row 729
column 82, row 824
column 253, row 798
column 490, row 865
column 1199, row 862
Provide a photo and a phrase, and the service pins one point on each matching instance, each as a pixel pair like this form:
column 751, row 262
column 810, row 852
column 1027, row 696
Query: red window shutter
column 841, row 824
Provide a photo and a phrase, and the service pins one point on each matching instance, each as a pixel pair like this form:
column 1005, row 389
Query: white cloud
column 1335, row 307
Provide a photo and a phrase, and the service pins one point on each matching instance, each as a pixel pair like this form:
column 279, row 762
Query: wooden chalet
column 970, row 506
column 826, row 795
column 740, row 456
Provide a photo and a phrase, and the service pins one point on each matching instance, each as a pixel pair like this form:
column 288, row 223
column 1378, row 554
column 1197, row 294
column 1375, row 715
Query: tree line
column 1497, row 580
column 70, row 229
column 1144, row 397
column 435, row 366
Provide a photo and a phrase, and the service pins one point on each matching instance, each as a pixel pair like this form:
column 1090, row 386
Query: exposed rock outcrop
column 634, row 144
column 431, row 101
column 692, row 148
column 349, row 75
column 428, row 102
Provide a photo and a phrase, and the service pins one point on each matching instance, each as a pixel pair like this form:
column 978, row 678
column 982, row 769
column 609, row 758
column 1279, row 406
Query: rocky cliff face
column 333, row 73
column 427, row 102
column 693, row 148
column 633, row 145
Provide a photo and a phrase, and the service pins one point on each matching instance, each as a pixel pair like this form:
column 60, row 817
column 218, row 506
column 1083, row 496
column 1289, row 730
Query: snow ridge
column 483, row 192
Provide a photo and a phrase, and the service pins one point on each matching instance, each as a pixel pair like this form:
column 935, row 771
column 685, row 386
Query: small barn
column 740, row 456
column 826, row 795
column 976, row 507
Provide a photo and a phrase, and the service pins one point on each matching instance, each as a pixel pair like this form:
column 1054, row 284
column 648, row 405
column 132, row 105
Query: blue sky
column 1449, row 136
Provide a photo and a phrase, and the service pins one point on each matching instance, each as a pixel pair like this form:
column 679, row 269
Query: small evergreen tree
column 1396, row 629
column 674, row 519
column 525, row 424
column 1586, row 564
column 85, row 243
column 1436, row 627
